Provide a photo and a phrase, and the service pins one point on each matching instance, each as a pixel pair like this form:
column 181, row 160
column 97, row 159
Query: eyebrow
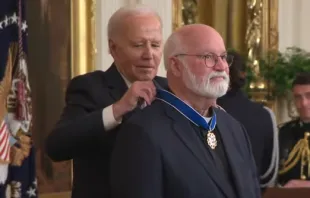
column 145, row 40
column 223, row 53
column 300, row 94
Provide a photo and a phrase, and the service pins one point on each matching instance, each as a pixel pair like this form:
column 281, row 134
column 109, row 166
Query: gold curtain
column 62, row 45
column 228, row 18
column 83, row 41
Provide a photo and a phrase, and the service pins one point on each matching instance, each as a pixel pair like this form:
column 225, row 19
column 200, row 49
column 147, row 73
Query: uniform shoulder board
column 288, row 124
column 219, row 107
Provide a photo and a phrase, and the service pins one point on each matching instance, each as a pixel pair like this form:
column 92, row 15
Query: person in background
column 98, row 102
column 294, row 169
column 259, row 122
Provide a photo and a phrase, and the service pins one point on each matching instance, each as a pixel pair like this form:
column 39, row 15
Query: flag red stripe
column 2, row 152
column 3, row 132
column 7, row 152
column 4, row 143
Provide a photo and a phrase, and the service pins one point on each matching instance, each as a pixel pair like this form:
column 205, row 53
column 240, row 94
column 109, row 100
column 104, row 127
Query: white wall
column 294, row 20
column 105, row 9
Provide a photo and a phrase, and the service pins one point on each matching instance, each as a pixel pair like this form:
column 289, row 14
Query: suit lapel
column 230, row 150
column 191, row 140
column 116, row 83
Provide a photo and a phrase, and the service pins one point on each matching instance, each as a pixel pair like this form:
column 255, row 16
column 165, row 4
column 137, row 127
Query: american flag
column 4, row 143
column 4, row 152
column 17, row 119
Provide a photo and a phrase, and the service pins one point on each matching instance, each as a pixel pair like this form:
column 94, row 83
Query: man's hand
column 297, row 184
column 16, row 156
column 145, row 90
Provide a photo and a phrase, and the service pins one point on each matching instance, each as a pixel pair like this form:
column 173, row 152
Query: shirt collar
column 127, row 82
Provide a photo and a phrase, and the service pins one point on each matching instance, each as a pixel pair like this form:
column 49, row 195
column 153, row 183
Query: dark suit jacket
column 158, row 155
column 80, row 134
column 257, row 122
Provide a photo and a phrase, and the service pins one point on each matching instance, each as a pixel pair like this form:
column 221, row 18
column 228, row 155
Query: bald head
column 118, row 19
column 196, row 61
column 194, row 38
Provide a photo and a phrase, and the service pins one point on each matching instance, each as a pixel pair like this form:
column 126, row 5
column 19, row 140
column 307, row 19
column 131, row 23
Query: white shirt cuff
column 108, row 119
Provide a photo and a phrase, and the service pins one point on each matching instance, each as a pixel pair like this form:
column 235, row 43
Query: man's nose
column 220, row 65
column 147, row 52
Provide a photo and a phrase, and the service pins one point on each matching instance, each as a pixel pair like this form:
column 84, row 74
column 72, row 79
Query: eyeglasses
column 212, row 59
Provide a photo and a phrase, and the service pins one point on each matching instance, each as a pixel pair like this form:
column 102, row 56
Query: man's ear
column 175, row 66
column 112, row 47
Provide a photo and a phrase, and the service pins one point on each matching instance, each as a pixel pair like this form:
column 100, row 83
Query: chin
column 214, row 95
column 145, row 77
column 215, row 91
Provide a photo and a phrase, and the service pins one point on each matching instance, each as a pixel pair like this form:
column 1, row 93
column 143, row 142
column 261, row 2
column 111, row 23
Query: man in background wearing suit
column 258, row 121
column 97, row 102
column 181, row 146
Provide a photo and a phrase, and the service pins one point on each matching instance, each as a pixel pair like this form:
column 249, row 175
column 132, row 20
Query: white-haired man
column 181, row 146
column 96, row 103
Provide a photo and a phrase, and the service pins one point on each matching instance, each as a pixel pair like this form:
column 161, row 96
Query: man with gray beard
column 181, row 146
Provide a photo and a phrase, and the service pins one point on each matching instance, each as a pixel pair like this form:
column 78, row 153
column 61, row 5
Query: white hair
column 131, row 10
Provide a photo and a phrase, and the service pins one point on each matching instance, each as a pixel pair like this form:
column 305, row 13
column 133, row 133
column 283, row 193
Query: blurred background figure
column 294, row 170
column 259, row 121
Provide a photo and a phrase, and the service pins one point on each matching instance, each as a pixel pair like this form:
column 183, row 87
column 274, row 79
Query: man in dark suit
column 258, row 121
column 97, row 102
column 181, row 146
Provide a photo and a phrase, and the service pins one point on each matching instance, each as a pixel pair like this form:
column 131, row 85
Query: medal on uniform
column 191, row 114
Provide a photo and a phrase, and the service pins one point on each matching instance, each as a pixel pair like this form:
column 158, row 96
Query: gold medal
column 211, row 140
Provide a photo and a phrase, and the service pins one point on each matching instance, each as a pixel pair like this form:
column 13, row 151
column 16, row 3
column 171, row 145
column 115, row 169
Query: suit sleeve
column 251, row 161
column 80, row 126
column 268, row 151
column 283, row 136
column 271, row 152
column 135, row 165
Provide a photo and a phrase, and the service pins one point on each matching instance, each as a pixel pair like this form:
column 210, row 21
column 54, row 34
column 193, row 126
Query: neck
column 199, row 103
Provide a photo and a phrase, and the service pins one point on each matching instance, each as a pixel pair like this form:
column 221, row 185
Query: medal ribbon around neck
column 191, row 114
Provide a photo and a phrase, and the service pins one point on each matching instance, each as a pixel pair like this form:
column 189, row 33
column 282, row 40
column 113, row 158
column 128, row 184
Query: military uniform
column 294, row 151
